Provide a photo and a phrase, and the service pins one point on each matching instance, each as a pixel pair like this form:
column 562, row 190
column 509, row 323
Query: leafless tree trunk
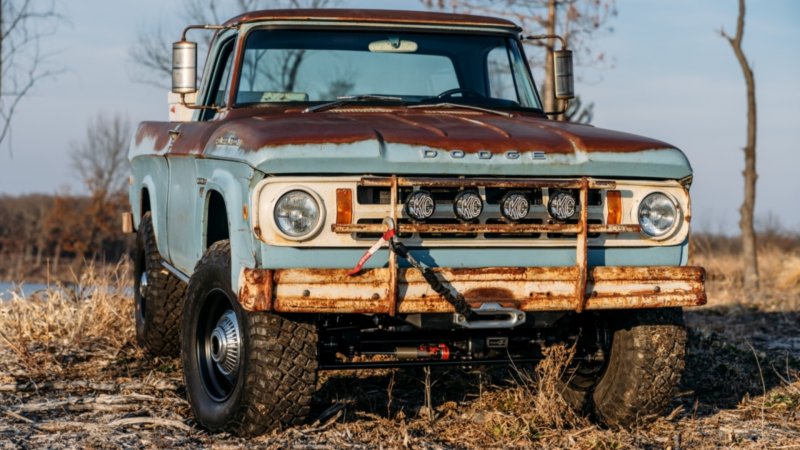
column 102, row 158
column 24, row 24
column 150, row 54
column 746, row 212
column 548, row 87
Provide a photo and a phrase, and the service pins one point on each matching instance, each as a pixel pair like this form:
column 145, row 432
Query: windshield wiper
column 460, row 105
column 349, row 99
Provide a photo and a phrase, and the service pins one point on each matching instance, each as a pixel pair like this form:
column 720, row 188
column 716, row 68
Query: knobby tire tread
column 160, row 334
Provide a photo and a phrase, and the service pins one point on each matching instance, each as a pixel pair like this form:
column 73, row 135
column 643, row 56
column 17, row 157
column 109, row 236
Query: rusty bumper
column 394, row 290
column 377, row 291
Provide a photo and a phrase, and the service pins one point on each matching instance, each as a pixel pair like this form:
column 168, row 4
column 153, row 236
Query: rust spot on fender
column 157, row 131
column 256, row 290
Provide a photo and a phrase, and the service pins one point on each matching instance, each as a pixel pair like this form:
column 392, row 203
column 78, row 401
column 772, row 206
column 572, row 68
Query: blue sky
column 673, row 78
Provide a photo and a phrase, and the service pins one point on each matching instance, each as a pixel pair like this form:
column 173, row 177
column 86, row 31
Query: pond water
column 7, row 289
column 26, row 289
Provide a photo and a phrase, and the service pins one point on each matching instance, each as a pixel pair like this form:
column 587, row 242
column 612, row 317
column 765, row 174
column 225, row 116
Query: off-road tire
column 644, row 366
column 159, row 305
column 275, row 379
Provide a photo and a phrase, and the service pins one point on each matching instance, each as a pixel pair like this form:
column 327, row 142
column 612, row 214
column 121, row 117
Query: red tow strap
column 371, row 251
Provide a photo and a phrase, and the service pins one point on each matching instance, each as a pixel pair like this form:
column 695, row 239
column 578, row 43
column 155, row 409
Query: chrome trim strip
column 181, row 276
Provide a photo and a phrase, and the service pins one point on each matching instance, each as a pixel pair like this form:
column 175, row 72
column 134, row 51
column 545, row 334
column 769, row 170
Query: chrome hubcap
column 224, row 343
column 143, row 284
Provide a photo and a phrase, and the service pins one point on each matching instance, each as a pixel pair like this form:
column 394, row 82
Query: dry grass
column 71, row 376
column 779, row 269
column 789, row 275
column 92, row 315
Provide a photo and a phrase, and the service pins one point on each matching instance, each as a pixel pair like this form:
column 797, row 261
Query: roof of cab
column 374, row 16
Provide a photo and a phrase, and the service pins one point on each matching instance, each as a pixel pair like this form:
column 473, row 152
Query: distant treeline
column 42, row 230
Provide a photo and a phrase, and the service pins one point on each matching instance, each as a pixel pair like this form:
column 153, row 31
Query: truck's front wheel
column 644, row 365
column 245, row 373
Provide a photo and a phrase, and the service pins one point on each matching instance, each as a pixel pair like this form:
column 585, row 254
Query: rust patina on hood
column 398, row 140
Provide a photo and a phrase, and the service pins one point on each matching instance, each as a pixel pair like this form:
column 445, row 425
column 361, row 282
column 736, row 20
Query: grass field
column 72, row 376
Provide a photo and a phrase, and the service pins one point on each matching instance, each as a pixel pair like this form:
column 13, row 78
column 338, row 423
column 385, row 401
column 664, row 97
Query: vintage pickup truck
column 361, row 189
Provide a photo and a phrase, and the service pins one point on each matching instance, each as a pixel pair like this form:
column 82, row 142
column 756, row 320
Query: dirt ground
column 71, row 377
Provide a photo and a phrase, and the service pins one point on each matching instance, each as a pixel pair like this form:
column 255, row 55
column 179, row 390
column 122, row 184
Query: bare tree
column 24, row 24
column 101, row 158
column 746, row 212
column 578, row 21
column 150, row 54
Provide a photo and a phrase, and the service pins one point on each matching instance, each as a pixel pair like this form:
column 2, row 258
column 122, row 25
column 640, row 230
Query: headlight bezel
column 321, row 216
column 671, row 230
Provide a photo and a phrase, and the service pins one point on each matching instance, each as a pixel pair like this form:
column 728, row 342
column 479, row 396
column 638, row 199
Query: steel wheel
column 218, row 345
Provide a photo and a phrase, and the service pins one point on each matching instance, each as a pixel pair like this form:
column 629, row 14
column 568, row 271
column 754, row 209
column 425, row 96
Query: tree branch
column 22, row 63
column 150, row 55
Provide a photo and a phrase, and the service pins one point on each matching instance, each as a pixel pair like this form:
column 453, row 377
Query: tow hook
column 491, row 315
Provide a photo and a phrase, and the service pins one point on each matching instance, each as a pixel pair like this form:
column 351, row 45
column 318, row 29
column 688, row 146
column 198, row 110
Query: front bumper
column 395, row 290
column 384, row 291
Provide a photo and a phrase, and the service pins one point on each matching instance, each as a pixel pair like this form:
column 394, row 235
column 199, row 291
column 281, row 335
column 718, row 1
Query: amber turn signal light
column 344, row 206
column 614, row 202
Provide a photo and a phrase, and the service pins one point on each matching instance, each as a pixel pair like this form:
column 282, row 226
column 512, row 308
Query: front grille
column 491, row 191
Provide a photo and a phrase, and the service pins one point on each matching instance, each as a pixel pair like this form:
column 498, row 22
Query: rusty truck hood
column 431, row 141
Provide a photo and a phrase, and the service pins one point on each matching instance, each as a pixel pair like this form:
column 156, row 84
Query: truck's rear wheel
column 644, row 365
column 245, row 373
column 158, row 296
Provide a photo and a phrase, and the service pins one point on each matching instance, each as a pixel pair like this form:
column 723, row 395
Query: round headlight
column 515, row 206
column 297, row 214
column 561, row 205
column 420, row 205
column 658, row 214
column 468, row 205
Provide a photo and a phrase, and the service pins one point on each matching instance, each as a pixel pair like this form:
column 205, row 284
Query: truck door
column 187, row 193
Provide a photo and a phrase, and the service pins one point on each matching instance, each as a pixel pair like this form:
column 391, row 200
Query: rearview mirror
column 393, row 45
column 184, row 67
column 565, row 84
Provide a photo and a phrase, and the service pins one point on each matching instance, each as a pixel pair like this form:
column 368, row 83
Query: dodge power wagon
column 365, row 189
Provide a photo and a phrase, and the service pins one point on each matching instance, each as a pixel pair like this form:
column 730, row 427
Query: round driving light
column 658, row 214
column 561, row 205
column 297, row 214
column 420, row 205
column 514, row 206
column 468, row 205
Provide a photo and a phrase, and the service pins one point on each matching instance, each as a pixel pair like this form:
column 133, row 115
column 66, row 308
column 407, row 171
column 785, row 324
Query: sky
column 671, row 77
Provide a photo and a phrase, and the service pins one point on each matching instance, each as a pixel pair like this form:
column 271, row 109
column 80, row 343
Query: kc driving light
column 420, row 205
column 297, row 214
column 658, row 214
column 561, row 205
column 468, row 205
column 514, row 206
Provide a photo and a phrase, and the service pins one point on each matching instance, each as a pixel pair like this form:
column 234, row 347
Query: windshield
column 281, row 66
